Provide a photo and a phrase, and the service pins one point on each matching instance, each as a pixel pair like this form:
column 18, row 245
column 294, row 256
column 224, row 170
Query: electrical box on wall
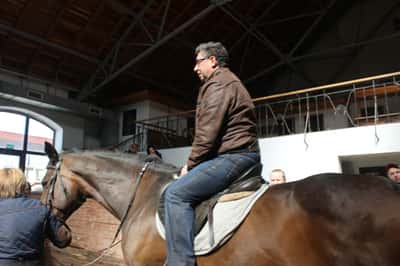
column 34, row 94
column 95, row 110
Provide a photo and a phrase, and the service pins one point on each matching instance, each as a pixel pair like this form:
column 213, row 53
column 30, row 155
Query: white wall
column 322, row 155
column 324, row 148
column 41, row 86
column 158, row 109
column 176, row 156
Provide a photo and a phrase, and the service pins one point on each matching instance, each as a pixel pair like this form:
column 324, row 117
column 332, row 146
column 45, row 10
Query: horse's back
column 341, row 198
column 329, row 219
column 325, row 220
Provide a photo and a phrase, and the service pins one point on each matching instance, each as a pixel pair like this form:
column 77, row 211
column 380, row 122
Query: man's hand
column 184, row 170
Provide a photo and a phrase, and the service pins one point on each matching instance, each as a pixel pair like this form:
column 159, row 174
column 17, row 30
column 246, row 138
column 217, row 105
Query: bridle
column 79, row 201
column 76, row 203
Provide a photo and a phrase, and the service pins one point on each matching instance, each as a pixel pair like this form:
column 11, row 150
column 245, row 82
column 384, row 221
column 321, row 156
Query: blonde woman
column 25, row 223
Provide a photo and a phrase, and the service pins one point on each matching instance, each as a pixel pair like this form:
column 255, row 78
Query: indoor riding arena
column 96, row 96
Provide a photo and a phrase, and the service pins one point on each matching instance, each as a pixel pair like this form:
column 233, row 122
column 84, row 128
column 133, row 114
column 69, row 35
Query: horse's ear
column 51, row 152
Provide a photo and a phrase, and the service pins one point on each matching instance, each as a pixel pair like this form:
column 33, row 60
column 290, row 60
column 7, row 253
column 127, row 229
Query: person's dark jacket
column 24, row 224
column 225, row 118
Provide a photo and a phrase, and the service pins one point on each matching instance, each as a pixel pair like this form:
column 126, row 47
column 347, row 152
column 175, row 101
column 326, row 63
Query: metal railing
column 175, row 130
column 366, row 101
column 353, row 103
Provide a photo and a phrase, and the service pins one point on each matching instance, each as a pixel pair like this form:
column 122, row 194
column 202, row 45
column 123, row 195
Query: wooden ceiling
column 108, row 49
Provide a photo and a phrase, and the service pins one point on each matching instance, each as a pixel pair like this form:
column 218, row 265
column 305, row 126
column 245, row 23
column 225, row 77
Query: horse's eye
column 44, row 183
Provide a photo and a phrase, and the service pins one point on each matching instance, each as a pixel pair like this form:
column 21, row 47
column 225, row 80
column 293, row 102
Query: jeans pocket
column 239, row 164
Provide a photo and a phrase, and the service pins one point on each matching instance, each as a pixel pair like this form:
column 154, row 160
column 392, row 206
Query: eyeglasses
column 199, row 60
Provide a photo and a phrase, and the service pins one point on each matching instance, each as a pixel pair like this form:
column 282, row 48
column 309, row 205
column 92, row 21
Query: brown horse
column 327, row 219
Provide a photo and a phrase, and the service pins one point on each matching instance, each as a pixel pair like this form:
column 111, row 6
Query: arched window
column 22, row 138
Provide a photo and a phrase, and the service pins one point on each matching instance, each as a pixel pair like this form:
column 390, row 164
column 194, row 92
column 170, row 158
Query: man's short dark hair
column 214, row 49
column 391, row 165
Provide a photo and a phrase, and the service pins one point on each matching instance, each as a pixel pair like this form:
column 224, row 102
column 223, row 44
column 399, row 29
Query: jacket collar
column 215, row 73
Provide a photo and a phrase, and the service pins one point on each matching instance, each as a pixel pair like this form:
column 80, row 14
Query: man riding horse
column 225, row 145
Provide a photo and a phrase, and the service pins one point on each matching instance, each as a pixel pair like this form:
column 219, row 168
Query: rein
column 138, row 179
column 113, row 243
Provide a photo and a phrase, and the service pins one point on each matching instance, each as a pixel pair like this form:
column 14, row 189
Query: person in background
column 393, row 172
column 152, row 151
column 25, row 223
column 134, row 148
column 277, row 176
column 397, row 176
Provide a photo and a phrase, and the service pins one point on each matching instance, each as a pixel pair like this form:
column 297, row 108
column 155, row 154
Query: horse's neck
column 114, row 196
column 116, row 192
column 112, row 180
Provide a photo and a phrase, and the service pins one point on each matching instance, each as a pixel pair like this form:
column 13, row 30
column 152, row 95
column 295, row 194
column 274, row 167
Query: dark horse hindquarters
column 332, row 219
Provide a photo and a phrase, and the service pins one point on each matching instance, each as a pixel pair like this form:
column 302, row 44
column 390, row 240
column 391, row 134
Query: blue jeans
column 10, row 262
column 182, row 196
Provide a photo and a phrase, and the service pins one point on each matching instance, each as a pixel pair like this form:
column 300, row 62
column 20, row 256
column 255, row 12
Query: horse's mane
column 130, row 160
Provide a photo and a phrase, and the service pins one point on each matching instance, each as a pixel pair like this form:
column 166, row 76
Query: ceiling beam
column 345, row 47
column 95, row 60
column 50, row 29
column 40, row 40
column 85, row 93
column 63, row 49
column 268, row 43
column 287, row 19
column 29, row 4
column 254, row 25
column 77, row 40
column 99, row 8
column 312, row 27
column 117, row 6
column 110, row 58
column 347, row 62
column 288, row 59
column 164, row 19
column 264, row 72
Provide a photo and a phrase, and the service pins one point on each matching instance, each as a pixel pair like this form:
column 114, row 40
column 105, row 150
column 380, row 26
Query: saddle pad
column 227, row 217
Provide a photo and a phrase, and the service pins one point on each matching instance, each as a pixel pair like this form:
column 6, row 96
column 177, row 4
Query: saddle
column 245, row 184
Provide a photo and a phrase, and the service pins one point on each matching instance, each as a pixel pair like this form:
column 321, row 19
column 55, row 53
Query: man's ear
column 214, row 61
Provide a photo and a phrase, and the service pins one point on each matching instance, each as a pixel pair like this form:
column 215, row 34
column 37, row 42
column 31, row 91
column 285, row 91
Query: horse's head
column 61, row 190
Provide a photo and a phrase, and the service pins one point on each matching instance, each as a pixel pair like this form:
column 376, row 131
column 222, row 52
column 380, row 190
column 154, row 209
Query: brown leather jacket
column 225, row 118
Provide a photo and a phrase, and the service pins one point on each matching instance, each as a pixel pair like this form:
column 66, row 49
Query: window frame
column 24, row 152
